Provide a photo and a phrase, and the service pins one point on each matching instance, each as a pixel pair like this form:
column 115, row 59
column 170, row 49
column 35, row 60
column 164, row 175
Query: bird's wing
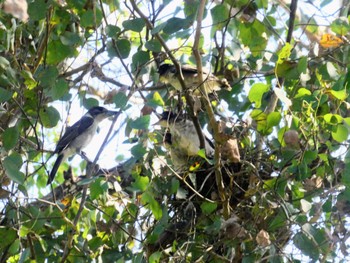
column 73, row 132
column 193, row 70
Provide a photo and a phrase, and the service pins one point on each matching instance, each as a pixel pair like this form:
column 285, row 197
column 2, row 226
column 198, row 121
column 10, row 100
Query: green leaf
column 138, row 151
column 310, row 156
column 141, row 183
column 347, row 120
column 4, row 63
column 158, row 28
column 341, row 134
column 175, row 24
column 91, row 18
column 307, row 246
column 208, row 207
column 260, row 118
column 59, row 89
column 122, row 48
column 141, row 123
column 57, row 52
column 155, row 257
column 256, row 93
column 12, row 165
column 302, row 92
column 90, row 102
column 153, row 45
column 47, row 76
column 302, row 65
column 340, row 26
column 139, row 59
column 219, row 14
column 333, row 118
column 112, row 31
column 29, row 81
column 5, row 95
column 339, row 94
column 70, row 38
column 98, row 188
column 37, row 10
column 156, row 100
column 10, row 234
column 135, row 25
column 120, row 100
column 148, row 199
column 273, row 119
column 49, row 116
column 10, row 137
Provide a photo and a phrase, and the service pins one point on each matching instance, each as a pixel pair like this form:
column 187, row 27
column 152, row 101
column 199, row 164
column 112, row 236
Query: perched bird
column 79, row 136
column 182, row 138
column 168, row 75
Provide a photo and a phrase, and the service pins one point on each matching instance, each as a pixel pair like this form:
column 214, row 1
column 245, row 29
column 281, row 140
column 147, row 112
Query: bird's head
column 100, row 113
column 168, row 117
column 166, row 71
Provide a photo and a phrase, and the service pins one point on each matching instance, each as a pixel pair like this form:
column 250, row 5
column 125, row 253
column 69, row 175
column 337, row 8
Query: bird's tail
column 55, row 168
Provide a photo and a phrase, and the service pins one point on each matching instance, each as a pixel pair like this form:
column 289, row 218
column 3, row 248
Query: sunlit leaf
column 339, row 94
column 141, row 183
column 341, row 134
column 256, row 92
column 284, row 54
column 273, row 119
column 333, row 118
column 302, row 92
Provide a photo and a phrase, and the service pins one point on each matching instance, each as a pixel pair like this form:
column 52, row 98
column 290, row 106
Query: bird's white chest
column 84, row 139
column 185, row 137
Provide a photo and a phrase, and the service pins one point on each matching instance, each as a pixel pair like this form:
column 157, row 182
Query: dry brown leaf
column 263, row 238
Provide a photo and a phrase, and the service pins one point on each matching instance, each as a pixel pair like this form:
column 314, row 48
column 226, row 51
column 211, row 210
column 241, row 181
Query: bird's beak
column 111, row 114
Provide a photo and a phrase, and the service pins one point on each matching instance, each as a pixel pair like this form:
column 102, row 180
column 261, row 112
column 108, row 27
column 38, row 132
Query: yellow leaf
column 329, row 40
column 194, row 166
column 67, row 200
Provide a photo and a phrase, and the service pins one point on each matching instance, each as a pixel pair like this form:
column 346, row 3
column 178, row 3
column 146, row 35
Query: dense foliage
column 287, row 65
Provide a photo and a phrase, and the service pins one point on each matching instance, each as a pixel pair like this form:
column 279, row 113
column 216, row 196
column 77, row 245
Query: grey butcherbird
column 168, row 75
column 182, row 139
column 78, row 136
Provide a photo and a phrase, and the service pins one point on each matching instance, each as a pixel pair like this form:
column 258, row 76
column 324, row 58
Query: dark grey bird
column 78, row 136
column 169, row 75
column 182, row 139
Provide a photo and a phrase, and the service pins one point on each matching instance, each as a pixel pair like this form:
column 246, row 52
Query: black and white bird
column 182, row 139
column 78, row 136
column 169, row 75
